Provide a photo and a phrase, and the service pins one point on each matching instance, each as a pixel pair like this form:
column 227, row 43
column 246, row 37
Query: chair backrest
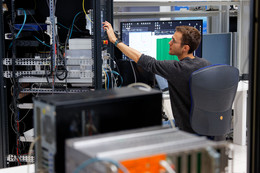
column 213, row 89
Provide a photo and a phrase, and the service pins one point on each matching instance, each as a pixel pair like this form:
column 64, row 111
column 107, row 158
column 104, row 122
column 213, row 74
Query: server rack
column 102, row 10
column 3, row 107
column 253, row 118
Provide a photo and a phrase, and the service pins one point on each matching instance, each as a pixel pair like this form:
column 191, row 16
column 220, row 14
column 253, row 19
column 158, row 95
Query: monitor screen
column 221, row 45
column 152, row 37
column 204, row 22
column 162, row 83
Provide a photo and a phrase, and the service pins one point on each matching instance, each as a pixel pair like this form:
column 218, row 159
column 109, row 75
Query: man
column 184, row 42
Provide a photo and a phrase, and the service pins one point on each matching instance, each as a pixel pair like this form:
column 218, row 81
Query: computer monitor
column 221, row 45
column 152, row 37
column 204, row 21
column 162, row 83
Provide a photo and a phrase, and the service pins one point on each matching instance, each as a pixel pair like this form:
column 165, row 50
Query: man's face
column 175, row 44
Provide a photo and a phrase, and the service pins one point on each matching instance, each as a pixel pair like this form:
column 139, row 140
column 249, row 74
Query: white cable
column 167, row 114
column 173, row 126
column 133, row 70
column 139, row 84
column 112, row 75
column 31, row 150
column 167, row 166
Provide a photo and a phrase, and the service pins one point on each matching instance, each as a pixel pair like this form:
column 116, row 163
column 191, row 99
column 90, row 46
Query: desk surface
column 240, row 113
column 242, row 85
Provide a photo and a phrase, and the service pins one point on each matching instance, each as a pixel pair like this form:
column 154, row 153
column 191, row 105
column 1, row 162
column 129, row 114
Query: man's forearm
column 129, row 52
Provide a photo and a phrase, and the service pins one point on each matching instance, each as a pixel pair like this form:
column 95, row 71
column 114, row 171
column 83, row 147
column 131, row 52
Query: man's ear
column 186, row 48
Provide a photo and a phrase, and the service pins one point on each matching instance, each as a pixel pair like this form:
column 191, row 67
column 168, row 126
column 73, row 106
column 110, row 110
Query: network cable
column 107, row 79
column 93, row 160
column 19, row 32
column 73, row 23
column 83, row 6
column 41, row 41
column 119, row 76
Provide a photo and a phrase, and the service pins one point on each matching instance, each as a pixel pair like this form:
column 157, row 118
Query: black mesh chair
column 213, row 89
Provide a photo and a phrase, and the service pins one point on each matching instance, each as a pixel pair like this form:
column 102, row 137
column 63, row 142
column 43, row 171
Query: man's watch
column 116, row 42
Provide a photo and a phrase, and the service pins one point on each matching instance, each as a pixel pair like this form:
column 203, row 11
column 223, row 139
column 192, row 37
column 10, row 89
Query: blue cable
column 63, row 26
column 24, row 20
column 120, row 77
column 89, row 161
column 41, row 41
column 67, row 27
column 73, row 23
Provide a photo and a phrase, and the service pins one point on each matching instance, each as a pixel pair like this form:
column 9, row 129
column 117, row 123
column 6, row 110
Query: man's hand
column 110, row 32
column 128, row 51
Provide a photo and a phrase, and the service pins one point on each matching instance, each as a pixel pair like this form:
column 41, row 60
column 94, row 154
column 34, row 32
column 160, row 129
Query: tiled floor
column 240, row 159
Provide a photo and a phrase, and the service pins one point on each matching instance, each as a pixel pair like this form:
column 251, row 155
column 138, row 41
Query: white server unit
column 147, row 150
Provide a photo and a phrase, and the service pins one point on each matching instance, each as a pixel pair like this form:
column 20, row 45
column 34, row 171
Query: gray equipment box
column 144, row 150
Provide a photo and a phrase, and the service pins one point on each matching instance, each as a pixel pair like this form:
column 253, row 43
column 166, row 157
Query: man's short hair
column 190, row 36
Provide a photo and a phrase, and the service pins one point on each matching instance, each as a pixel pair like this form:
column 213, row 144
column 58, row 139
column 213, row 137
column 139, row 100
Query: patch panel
column 27, row 61
column 47, row 61
column 22, row 158
column 76, row 74
column 56, row 90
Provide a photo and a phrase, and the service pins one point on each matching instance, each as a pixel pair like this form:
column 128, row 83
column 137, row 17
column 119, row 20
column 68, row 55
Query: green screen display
column 161, row 51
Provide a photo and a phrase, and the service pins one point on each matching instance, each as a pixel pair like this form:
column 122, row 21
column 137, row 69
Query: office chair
column 213, row 89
